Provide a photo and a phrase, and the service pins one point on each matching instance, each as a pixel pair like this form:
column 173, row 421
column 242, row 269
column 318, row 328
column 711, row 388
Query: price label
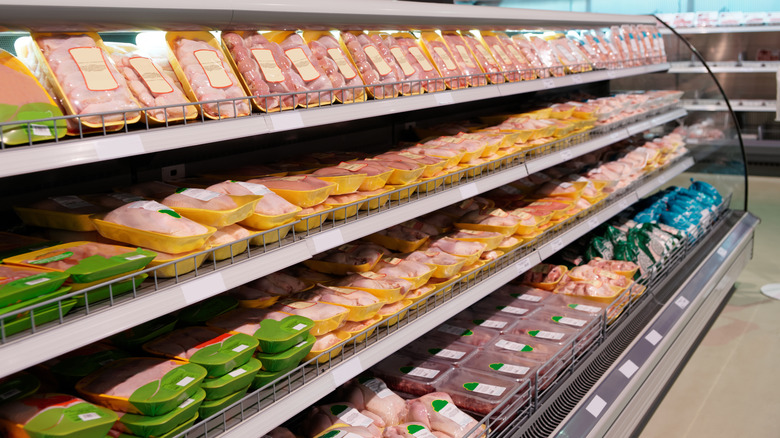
column 623, row 203
column 89, row 416
column 40, row 130
column 682, row 302
column 548, row 83
column 656, row 121
column 202, row 288
column 237, row 372
column 443, row 98
column 577, row 79
column 615, row 136
column 593, row 223
column 523, row 265
column 556, row 244
column 611, row 74
column 567, row 155
column 185, row 381
column 722, row 252
column 513, row 310
column 346, row 370
column 286, row 121
column 468, row 191
column 327, row 240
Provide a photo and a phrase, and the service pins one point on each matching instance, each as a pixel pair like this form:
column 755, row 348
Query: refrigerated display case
column 653, row 333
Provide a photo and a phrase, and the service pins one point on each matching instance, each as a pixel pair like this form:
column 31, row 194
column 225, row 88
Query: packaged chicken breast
column 206, row 75
column 464, row 58
column 328, row 54
column 84, row 80
column 146, row 386
column 360, row 304
column 375, row 63
column 304, row 191
column 54, row 415
column 484, row 59
column 173, row 265
column 416, row 66
column 477, row 391
column 226, row 235
column 327, row 346
column 326, row 317
column 443, row 60
column 152, row 84
column 23, row 98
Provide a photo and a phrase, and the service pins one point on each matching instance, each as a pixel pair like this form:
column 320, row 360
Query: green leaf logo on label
column 439, row 404
column 170, row 213
column 434, row 350
column 573, row 306
column 414, row 428
column 556, row 318
column 331, row 434
column 467, row 333
column 56, row 258
column 470, row 386
column 478, row 321
column 406, row 370
column 337, row 409
column 496, row 366
column 533, row 332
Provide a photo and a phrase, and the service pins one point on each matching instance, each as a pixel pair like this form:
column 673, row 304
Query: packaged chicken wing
column 328, row 54
column 375, row 63
column 85, row 81
column 54, row 415
column 22, row 99
column 151, row 84
column 205, row 74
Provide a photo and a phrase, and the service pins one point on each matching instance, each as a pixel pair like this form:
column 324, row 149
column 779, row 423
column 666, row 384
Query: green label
column 471, row 385
column 337, row 409
column 414, row 428
column 331, row 434
column 496, row 366
column 56, row 258
column 434, row 350
column 439, row 404
column 170, row 213
column 406, row 370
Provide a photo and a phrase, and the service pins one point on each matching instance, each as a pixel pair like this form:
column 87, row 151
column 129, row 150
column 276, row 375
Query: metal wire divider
column 550, row 374
column 82, row 125
column 130, row 286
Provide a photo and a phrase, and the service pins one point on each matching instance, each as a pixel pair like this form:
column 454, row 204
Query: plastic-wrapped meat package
column 313, row 76
column 209, row 76
column 530, row 54
column 438, row 412
column 467, row 334
column 634, row 44
column 151, row 84
column 546, row 55
column 574, row 320
column 102, row 90
column 621, row 46
column 479, row 392
column 371, row 394
column 154, row 217
column 586, row 288
column 414, row 56
column 265, row 69
column 505, row 364
column 374, row 68
column 322, row 417
column 440, row 349
column 404, row 70
column 645, row 40
column 443, row 60
column 569, row 56
column 551, row 356
column 411, row 375
column 333, row 61
column 588, row 48
column 608, row 52
column 505, row 63
column 522, row 64
column 484, row 58
column 464, row 58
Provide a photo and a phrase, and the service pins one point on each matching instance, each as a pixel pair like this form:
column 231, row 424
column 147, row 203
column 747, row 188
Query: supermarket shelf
column 727, row 67
column 617, row 403
column 723, row 29
column 325, row 383
column 146, row 14
column 736, row 104
column 71, row 152
column 52, row 341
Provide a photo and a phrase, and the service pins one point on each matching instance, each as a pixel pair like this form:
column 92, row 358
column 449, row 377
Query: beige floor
column 731, row 385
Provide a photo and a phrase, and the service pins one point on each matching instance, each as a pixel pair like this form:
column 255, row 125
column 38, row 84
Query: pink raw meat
column 195, row 198
column 154, row 217
column 447, row 419
column 122, row 377
column 372, row 395
column 424, row 71
column 270, row 204
column 326, row 50
column 373, row 74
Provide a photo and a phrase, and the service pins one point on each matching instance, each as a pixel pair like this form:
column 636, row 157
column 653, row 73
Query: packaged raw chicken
column 360, row 304
column 483, row 57
column 463, row 57
column 411, row 375
column 404, row 46
column 569, row 55
column 68, row 212
column 326, row 317
column 590, row 272
column 505, row 364
column 327, row 52
column 371, row 394
column 595, row 289
column 324, row 417
column 161, row 425
column 399, row 238
column 201, row 67
column 618, row 43
column 478, row 391
column 347, row 258
column 304, row 191
column 500, row 54
column 411, row 430
column 415, row 272
column 437, row 411
column 446, row 265
column 151, row 84
column 146, row 386
column 386, row 288
column 461, row 248
column 270, row 211
column 523, row 64
column 219, row 353
column 26, row 99
column 54, row 415
column 225, row 235
column 312, row 77
column 546, row 54
column 375, row 64
column 496, row 220
column 544, row 276
column 65, row 58
column 437, row 50
column 280, row 335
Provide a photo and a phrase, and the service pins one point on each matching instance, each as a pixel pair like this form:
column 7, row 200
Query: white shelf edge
column 745, row 67
column 737, row 105
column 58, row 339
column 322, row 385
column 724, row 29
column 46, row 156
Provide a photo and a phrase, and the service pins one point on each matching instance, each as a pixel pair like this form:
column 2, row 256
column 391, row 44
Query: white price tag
column 656, row 121
column 299, row 327
column 585, row 308
column 490, row 323
column 523, row 265
column 509, row 345
column 185, row 381
column 682, row 302
column 425, row 373
column 571, row 321
column 513, row 369
column 548, row 83
column 286, row 121
column 468, row 191
column 326, row 240
column 186, row 403
column 567, row 155
column 615, row 136
column 653, row 337
column 135, row 257
column 593, row 223
column 611, row 74
column 444, row 98
column 623, row 203
column 118, row 147
column 529, row 297
column 237, row 372
column 554, row 336
column 596, row 406
column 576, row 79
column 346, row 370
column 453, row 413
column 353, row 417
column 450, row 354
column 514, row 310
column 241, row 348
column 722, row 252
column 89, row 416
column 451, row 329
column 41, row 130
column 483, row 388
column 36, row 281
column 628, row 369
column 203, row 287
column 556, row 244
column 378, row 387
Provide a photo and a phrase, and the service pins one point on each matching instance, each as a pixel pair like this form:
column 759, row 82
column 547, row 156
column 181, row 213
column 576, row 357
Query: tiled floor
column 731, row 385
